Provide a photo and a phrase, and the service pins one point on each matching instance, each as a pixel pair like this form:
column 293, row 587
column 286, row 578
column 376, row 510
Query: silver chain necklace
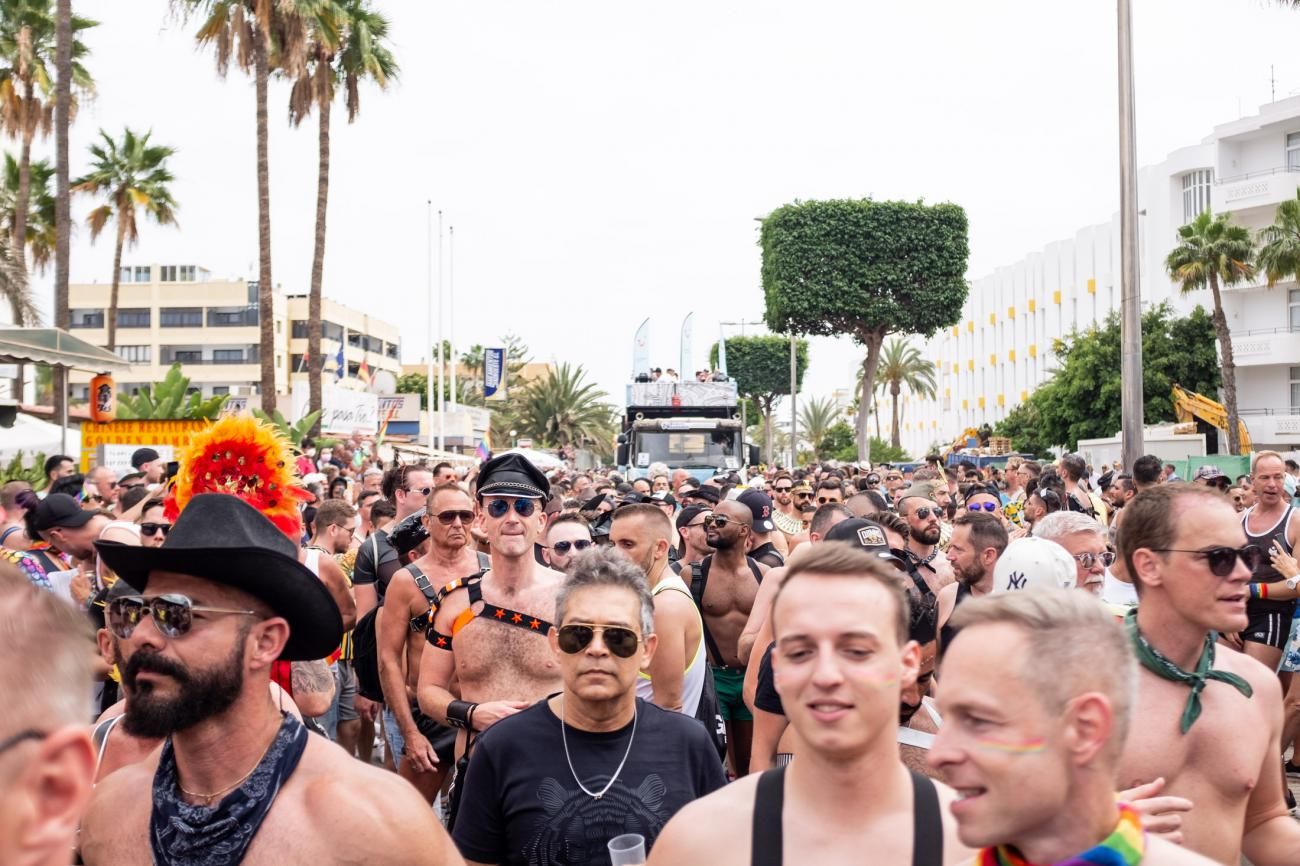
column 612, row 779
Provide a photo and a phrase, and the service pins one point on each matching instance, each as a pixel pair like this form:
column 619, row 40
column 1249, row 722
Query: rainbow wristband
column 1258, row 590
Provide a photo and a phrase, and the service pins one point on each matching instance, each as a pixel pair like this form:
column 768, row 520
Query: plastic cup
column 627, row 850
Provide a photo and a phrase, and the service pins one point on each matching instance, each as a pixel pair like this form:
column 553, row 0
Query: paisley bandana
column 185, row 835
column 1123, row 847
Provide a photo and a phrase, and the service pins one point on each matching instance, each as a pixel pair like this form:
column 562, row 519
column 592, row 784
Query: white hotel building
column 1002, row 348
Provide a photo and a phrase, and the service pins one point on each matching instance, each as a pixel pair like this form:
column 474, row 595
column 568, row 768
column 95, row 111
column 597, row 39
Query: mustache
column 152, row 662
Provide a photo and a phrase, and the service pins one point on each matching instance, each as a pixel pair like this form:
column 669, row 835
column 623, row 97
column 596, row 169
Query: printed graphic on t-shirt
column 578, row 827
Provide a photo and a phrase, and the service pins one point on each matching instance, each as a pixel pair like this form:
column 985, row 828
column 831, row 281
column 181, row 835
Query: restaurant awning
column 56, row 348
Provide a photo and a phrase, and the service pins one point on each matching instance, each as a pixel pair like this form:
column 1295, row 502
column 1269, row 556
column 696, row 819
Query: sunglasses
column 155, row 528
column 1107, row 559
column 924, row 513
column 423, row 491
column 173, row 615
column 719, row 521
column 563, row 547
column 804, row 494
column 21, row 737
column 575, row 637
column 1222, row 560
column 782, row 489
column 981, row 506
column 447, row 518
column 824, row 500
column 499, row 508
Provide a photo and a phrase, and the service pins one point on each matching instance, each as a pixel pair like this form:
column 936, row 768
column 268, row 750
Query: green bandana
column 1162, row 667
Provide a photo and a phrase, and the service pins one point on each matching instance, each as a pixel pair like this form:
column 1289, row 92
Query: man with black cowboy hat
column 218, row 603
column 489, row 629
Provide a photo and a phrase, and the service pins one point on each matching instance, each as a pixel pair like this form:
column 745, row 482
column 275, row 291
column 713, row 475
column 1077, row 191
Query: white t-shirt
column 1116, row 591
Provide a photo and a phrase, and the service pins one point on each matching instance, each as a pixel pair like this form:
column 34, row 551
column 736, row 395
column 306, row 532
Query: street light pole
column 794, row 426
column 1130, row 290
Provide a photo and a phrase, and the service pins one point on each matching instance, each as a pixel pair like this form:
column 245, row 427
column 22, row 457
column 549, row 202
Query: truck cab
column 684, row 425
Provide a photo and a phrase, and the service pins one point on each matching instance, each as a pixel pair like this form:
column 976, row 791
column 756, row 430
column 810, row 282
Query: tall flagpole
column 428, row 296
column 441, row 403
column 451, row 309
column 1132, row 414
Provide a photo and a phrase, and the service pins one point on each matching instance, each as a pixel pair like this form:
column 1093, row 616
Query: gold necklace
column 208, row 798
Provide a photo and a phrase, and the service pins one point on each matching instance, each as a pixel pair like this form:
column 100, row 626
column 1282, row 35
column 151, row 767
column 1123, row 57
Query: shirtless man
column 400, row 633
column 1212, row 739
column 1272, row 521
column 842, row 658
column 1035, row 732
column 925, row 520
column 490, row 635
column 731, row 580
column 675, row 678
column 198, row 645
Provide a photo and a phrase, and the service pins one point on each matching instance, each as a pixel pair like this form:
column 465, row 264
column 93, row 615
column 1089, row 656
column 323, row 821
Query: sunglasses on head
column 1222, row 560
column 447, row 518
column 981, row 506
column 499, row 508
column 155, row 528
column 563, row 547
column 576, row 637
column 1107, row 559
column 924, row 513
column 173, row 615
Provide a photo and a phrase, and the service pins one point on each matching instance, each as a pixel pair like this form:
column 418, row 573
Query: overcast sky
column 604, row 162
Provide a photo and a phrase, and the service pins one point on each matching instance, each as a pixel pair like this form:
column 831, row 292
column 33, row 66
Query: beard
column 199, row 697
column 927, row 535
column 968, row 576
column 721, row 542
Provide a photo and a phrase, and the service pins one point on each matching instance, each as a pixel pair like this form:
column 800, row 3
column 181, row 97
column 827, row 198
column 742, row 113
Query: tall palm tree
column 63, row 50
column 1279, row 252
column 564, row 409
column 28, row 34
column 1213, row 252
column 901, row 364
column 260, row 35
column 129, row 174
column 345, row 42
column 15, row 291
column 42, row 225
column 816, row 417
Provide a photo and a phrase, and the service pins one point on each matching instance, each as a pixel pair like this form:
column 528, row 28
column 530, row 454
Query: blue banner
column 494, row 373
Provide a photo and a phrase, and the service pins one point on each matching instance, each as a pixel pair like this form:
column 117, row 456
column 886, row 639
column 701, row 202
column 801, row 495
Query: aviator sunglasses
column 563, row 547
column 447, row 518
column 1222, row 560
column 575, row 637
column 173, row 615
column 499, row 508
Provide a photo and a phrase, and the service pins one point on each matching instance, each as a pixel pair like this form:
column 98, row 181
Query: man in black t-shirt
column 555, row 782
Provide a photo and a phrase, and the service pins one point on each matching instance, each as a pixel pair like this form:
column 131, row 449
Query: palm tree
column 1213, row 252
column 563, row 409
column 344, row 42
column 14, row 288
column 63, row 49
column 816, row 417
column 901, row 364
column 28, row 30
column 42, row 229
column 130, row 174
column 260, row 35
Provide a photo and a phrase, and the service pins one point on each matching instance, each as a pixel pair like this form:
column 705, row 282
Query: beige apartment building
column 179, row 313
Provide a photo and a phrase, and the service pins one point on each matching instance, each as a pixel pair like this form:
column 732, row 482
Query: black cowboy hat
column 223, row 539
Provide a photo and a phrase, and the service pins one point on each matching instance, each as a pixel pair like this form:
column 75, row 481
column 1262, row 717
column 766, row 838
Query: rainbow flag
column 483, row 452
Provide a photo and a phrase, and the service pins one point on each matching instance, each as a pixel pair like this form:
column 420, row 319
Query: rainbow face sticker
column 1013, row 747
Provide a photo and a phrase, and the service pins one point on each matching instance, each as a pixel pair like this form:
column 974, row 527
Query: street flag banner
column 483, row 452
column 722, row 351
column 641, row 350
column 363, row 372
column 339, row 366
column 685, row 367
column 494, row 374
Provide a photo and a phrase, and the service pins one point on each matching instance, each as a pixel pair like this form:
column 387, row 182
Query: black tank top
column 947, row 633
column 769, row 801
column 1265, row 572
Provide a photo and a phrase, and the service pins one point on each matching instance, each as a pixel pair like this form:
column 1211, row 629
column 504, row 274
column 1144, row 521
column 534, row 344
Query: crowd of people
column 258, row 656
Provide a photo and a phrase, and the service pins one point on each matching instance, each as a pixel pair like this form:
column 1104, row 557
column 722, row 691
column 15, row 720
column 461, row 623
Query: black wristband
column 458, row 713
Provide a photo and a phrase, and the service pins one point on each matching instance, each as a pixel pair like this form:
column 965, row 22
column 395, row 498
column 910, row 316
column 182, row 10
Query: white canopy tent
column 34, row 436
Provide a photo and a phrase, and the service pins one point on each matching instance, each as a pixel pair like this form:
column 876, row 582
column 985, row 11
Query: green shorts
column 730, row 685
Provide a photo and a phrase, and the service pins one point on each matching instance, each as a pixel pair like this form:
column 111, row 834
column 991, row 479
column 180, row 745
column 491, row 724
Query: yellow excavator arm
column 1189, row 405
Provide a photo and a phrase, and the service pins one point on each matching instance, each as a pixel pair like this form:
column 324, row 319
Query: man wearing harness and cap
column 489, row 629
column 1207, row 722
column 236, row 780
column 426, row 751
column 842, row 658
column 1038, row 690
column 1270, row 524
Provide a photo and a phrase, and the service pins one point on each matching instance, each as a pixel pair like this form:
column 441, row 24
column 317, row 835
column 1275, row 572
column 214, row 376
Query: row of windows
column 334, row 331
column 166, row 274
column 168, row 317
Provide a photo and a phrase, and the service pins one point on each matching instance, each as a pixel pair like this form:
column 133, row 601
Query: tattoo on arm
column 311, row 677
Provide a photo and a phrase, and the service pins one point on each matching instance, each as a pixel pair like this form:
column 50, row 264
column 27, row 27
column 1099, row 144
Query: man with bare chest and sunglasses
column 489, row 630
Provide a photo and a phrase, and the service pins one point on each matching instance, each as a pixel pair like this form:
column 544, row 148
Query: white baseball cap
column 1034, row 563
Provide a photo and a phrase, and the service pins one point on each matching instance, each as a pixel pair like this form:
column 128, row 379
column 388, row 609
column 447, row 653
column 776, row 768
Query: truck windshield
column 685, row 449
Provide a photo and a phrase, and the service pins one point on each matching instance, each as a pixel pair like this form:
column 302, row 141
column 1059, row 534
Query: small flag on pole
column 363, row 372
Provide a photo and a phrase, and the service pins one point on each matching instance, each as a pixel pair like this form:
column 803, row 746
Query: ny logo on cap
column 1016, row 580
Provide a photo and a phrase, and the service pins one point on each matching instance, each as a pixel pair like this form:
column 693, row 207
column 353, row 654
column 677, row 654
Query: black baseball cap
column 708, row 494
column 142, row 456
column 689, row 513
column 664, row 496
column 760, row 506
column 59, row 510
column 866, row 535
